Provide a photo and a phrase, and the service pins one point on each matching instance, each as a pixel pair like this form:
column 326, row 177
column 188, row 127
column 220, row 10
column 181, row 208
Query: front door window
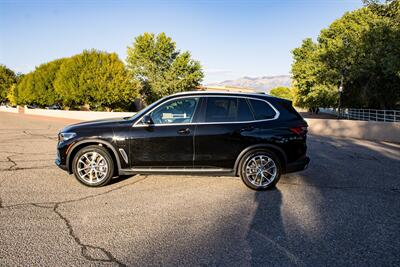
column 175, row 112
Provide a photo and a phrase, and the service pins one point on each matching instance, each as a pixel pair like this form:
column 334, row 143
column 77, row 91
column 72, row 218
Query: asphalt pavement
column 343, row 210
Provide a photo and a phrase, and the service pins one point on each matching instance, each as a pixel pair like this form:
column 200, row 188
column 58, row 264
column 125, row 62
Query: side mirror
column 147, row 120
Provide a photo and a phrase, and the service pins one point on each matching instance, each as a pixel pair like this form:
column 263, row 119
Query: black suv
column 255, row 136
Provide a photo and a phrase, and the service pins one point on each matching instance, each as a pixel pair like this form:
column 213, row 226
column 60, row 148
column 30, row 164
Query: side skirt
column 179, row 171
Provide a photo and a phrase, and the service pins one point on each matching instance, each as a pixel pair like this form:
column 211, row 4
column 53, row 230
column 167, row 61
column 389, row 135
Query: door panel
column 162, row 146
column 221, row 136
column 166, row 138
column 219, row 145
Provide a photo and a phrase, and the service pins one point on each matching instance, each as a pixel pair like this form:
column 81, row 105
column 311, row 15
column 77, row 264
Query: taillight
column 299, row 130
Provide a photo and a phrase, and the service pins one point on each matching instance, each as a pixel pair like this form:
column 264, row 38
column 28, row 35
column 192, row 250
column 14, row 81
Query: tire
column 93, row 166
column 260, row 165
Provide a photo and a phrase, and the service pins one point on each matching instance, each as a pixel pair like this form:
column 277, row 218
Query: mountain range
column 260, row 84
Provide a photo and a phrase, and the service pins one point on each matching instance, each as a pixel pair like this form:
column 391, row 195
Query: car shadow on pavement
column 266, row 235
column 120, row 178
column 343, row 210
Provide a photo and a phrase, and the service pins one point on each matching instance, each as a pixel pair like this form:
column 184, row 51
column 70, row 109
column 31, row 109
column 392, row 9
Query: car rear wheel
column 93, row 166
column 260, row 169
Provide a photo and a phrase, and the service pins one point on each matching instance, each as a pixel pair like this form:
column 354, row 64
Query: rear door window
column 262, row 110
column 227, row 109
column 244, row 111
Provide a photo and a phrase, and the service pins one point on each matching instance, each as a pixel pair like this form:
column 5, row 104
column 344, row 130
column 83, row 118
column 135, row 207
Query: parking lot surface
column 343, row 210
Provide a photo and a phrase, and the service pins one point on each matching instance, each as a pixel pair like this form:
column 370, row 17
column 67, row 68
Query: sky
column 231, row 39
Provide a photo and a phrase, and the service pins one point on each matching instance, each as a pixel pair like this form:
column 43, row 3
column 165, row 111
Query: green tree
column 160, row 67
column 282, row 92
column 25, row 92
column 45, row 76
column 363, row 48
column 7, row 79
column 97, row 79
column 37, row 87
column 312, row 90
column 11, row 94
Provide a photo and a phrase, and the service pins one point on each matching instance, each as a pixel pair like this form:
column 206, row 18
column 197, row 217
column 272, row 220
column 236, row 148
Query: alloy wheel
column 261, row 170
column 92, row 167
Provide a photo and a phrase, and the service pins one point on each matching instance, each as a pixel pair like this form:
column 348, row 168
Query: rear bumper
column 298, row 165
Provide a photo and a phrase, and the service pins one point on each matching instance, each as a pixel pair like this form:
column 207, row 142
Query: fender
column 247, row 149
column 100, row 141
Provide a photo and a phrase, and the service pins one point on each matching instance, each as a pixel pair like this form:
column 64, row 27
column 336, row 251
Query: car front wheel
column 93, row 166
column 260, row 169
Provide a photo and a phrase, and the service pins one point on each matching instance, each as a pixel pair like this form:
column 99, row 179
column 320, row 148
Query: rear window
column 227, row 109
column 287, row 110
column 262, row 110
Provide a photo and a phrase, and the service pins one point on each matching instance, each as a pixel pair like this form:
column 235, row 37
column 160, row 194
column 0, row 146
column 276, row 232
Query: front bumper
column 298, row 165
column 61, row 159
column 61, row 166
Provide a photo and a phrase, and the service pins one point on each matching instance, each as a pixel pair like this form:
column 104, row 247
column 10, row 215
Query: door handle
column 184, row 131
column 247, row 129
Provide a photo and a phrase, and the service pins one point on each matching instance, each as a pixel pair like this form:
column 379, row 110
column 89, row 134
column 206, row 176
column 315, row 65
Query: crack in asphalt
column 334, row 187
column 9, row 159
column 14, row 166
column 25, row 153
column 25, row 168
column 40, row 135
column 26, row 129
column 31, row 160
column 84, row 247
column 141, row 178
column 23, row 141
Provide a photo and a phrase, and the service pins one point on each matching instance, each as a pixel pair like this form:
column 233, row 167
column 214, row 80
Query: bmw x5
column 255, row 136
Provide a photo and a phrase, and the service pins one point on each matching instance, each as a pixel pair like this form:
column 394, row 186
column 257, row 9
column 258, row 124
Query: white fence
column 8, row 109
column 371, row 115
column 366, row 114
column 77, row 115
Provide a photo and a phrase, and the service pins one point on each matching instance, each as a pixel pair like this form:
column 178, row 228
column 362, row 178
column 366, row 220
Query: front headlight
column 65, row 136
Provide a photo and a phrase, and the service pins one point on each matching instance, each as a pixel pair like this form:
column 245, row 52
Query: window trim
column 277, row 113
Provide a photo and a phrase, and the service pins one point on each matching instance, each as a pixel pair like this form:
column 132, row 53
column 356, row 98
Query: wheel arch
column 273, row 148
column 84, row 143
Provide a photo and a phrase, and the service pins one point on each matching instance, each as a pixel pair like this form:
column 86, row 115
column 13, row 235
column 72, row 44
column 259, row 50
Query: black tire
column 255, row 153
column 108, row 159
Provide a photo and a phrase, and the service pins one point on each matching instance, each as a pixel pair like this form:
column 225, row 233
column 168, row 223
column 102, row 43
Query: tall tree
column 161, row 68
column 37, row 87
column 25, row 91
column 97, row 79
column 363, row 49
column 44, row 77
column 7, row 79
column 282, row 92
column 311, row 89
